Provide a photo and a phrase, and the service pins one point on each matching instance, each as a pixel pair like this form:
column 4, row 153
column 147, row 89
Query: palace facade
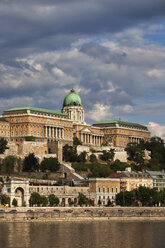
column 24, row 123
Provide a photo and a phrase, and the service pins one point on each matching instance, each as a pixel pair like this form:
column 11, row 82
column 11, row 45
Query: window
column 112, row 190
column 103, row 189
column 99, row 189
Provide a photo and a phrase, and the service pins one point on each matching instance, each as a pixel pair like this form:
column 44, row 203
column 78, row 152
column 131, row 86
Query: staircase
column 67, row 168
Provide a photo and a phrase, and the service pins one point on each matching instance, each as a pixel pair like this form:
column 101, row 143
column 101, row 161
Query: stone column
column 53, row 132
column 56, row 132
column 85, row 139
column 46, row 131
column 99, row 140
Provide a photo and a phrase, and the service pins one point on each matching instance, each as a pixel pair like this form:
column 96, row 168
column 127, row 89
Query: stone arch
column 69, row 201
column 63, row 202
column 75, row 201
column 19, row 196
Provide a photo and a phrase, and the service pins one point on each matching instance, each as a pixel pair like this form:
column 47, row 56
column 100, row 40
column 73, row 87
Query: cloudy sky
column 111, row 51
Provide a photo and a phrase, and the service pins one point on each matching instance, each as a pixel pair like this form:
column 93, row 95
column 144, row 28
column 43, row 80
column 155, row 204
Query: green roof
column 121, row 123
column 29, row 109
column 72, row 99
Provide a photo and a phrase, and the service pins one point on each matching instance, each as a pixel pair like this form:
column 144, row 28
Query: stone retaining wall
column 48, row 214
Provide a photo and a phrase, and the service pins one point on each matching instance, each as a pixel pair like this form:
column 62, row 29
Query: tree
column 143, row 196
column 71, row 203
column 99, row 202
column 14, row 202
column 69, row 153
column 1, row 180
column 90, row 202
column 35, row 199
column 117, row 165
column 93, row 158
column 3, row 145
column 50, row 164
column 125, row 198
column 8, row 164
column 76, row 142
column 82, row 199
column 30, row 163
column 53, row 200
column 4, row 199
column 109, row 203
column 44, row 200
column 136, row 153
column 82, row 157
column 106, row 156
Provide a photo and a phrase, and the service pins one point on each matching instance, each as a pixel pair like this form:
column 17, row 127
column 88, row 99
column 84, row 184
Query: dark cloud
column 48, row 46
column 39, row 24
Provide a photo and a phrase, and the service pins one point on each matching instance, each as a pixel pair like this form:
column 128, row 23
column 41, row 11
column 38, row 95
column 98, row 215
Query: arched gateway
column 18, row 189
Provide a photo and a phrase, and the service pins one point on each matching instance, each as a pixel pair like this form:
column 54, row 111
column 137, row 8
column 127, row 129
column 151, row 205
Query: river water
column 99, row 234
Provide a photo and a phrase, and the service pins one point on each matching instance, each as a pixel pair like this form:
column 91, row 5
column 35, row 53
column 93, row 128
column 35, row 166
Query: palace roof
column 34, row 111
column 117, row 123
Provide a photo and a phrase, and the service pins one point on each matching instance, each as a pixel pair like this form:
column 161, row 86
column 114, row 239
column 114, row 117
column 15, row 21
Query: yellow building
column 42, row 124
column 130, row 180
column 104, row 189
column 18, row 124
column 120, row 133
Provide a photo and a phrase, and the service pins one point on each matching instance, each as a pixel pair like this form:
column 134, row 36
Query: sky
column 112, row 52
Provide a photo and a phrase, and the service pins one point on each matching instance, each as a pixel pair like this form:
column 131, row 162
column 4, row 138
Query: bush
column 69, row 153
column 53, row 200
column 106, row 156
column 30, row 138
column 76, row 141
column 14, row 202
column 44, row 200
column 35, row 199
column 30, row 163
column 4, row 199
column 50, row 164
column 3, row 145
column 82, row 157
column 93, row 158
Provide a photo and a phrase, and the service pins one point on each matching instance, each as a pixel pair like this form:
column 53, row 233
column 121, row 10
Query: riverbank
column 88, row 219
column 52, row 214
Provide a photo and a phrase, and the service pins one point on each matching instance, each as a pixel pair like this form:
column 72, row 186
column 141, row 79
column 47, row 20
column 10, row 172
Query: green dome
column 72, row 99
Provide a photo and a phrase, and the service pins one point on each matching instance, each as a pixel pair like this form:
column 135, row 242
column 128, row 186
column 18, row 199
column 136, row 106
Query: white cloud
column 58, row 72
column 157, row 73
column 99, row 112
column 157, row 129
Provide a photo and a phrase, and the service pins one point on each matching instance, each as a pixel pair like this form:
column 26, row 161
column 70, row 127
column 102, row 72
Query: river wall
column 81, row 214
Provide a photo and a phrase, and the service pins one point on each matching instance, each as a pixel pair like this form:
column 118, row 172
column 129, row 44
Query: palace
column 42, row 125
